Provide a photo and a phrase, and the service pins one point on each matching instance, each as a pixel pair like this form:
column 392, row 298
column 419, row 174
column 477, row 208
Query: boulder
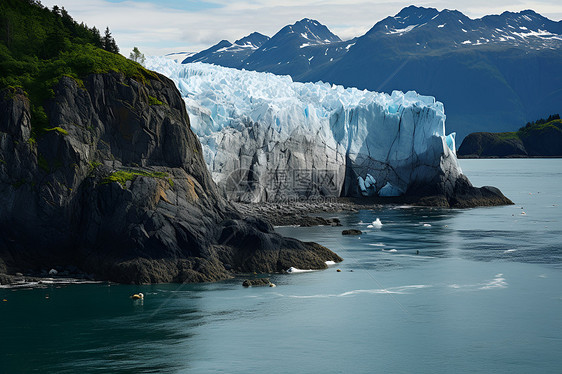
column 256, row 282
column 351, row 232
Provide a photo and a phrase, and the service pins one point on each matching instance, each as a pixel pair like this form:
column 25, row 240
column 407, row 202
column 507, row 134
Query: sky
column 158, row 27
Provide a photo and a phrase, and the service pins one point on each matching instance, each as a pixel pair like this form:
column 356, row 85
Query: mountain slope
column 293, row 48
column 489, row 78
column 229, row 54
column 491, row 73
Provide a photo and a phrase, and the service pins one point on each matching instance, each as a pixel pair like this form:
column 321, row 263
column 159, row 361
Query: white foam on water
column 498, row 282
column 377, row 244
column 414, row 256
column 376, row 291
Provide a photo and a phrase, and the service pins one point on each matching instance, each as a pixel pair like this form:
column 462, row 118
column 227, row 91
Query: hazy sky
column 159, row 27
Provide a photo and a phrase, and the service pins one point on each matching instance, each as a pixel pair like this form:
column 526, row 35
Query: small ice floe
column 393, row 250
column 293, row 270
column 509, row 251
column 330, row 262
column 426, row 225
column 53, row 272
column 377, row 224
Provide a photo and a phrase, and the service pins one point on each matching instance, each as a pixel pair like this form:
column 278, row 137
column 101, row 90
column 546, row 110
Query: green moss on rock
column 154, row 101
column 58, row 129
column 123, row 176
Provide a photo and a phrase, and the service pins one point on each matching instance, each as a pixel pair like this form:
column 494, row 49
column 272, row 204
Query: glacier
column 267, row 138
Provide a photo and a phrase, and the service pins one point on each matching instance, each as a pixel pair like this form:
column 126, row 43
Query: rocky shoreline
column 304, row 212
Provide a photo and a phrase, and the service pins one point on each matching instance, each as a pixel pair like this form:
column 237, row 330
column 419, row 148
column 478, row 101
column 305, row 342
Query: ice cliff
column 266, row 137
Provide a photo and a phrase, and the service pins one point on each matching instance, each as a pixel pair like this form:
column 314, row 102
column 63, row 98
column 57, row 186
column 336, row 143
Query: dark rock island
column 538, row 139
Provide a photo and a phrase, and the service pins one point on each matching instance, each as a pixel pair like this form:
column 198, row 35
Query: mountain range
column 492, row 73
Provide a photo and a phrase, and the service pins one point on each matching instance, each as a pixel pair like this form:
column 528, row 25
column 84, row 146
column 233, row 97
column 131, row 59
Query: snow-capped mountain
column 493, row 73
column 229, row 54
column 293, row 49
column 450, row 28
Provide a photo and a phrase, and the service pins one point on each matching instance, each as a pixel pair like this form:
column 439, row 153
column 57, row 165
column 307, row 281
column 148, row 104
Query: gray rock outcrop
column 118, row 187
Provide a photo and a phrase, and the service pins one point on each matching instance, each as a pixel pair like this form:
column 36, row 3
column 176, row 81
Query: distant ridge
column 492, row 73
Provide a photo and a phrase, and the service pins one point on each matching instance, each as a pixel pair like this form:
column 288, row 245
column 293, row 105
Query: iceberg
column 267, row 138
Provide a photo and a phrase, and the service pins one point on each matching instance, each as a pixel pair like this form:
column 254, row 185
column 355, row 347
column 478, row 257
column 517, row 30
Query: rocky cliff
column 117, row 186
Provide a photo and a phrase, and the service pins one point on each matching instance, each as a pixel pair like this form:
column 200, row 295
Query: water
column 483, row 295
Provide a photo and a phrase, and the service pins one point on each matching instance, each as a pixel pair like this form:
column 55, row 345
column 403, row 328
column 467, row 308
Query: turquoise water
column 483, row 295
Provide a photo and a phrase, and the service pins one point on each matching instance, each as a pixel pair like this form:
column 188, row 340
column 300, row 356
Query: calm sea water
column 483, row 295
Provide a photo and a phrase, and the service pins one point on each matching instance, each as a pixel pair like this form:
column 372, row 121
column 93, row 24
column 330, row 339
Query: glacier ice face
column 266, row 137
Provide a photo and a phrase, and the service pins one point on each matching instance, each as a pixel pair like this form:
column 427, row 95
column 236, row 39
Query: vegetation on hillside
column 38, row 46
column 552, row 122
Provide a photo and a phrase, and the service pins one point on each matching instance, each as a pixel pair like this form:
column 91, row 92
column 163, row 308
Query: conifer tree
column 137, row 56
column 108, row 43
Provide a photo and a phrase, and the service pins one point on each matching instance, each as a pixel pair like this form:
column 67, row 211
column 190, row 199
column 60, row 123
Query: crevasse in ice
column 266, row 137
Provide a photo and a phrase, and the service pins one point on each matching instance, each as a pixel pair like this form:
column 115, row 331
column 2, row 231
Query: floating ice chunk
column 426, row 225
column 292, row 270
column 329, row 263
column 376, row 224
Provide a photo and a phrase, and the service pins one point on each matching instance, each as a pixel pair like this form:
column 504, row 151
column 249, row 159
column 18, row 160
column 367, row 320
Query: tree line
column 57, row 32
column 541, row 121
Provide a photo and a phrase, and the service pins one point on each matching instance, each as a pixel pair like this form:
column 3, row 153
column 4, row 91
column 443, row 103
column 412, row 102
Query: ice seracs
column 266, row 138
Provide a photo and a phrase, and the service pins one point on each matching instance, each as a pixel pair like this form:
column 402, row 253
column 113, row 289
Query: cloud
column 161, row 27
